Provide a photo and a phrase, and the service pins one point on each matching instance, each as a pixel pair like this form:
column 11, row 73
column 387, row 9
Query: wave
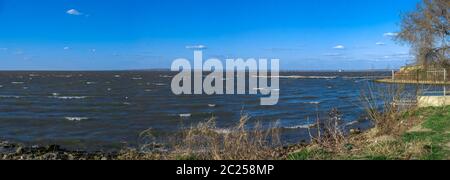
column 263, row 89
column 10, row 96
column 259, row 89
column 308, row 126
column 299, row 77
column 312, row 102
column 63, row 76
column 90, row 83
column 77, row 119
column 159, row 84
column 17, row 83
column 68, row 97
column 187, row 115
column 352, row 123
column 222, row 131
column 137, row 78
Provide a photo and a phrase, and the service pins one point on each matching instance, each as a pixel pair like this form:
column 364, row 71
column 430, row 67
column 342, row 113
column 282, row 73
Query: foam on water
column 10, row 96
column 76, row 119
column 299, row 77
column 308, row 126
column 185, row 115
column 68, row 97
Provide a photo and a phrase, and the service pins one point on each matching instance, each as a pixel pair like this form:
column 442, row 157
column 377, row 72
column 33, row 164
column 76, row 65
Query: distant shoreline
column 390, row 81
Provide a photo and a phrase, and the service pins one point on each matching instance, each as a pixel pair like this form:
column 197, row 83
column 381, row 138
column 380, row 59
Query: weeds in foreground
column 239, row 143
column 386, row 106
column 205, row 142
column 330, row 134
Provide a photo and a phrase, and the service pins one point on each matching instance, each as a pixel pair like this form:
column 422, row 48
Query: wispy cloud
column 380, row 43
column 390, row 34
column 3, row 49
column 400, row 56
column 74, row 12
column 339, row 47
column 196, row 47
column 66, row 48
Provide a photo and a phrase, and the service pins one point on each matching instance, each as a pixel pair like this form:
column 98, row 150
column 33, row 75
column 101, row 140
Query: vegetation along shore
column 416, row 134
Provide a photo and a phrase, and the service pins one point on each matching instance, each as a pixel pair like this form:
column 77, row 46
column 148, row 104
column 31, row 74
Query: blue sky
column 146, row 34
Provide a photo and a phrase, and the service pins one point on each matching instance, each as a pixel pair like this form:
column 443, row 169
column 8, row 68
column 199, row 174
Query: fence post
column 393, row 75
column 445, row 82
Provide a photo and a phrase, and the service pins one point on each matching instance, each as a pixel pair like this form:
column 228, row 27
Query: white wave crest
column 308, row 126
column 69, row 97
column 77, row 119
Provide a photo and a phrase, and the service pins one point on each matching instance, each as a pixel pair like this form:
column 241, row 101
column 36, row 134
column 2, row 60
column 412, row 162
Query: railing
column 437, row 77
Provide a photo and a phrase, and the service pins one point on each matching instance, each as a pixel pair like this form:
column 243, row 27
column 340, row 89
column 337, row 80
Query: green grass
column 438, row 121
column 433, row 144
column 311, row 154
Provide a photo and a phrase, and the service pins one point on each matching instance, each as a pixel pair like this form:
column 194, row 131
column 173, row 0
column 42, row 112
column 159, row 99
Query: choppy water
column 107, row 110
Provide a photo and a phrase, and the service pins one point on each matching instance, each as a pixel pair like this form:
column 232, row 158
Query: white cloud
column 390, row 34
column 66, row 48
column 74, row 12
column 380, row 43
column 339, row 47
column 93, row 50
column 196, row 47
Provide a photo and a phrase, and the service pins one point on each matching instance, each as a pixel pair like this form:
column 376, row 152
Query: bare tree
column 427, row 30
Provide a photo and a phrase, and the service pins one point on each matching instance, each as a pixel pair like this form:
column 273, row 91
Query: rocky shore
column 14, row 151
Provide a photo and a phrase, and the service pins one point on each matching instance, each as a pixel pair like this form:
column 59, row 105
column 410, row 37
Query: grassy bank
column 424, row 135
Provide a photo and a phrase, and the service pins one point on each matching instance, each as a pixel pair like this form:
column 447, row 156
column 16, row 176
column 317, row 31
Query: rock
column 20, row 150
column 70, row 157
column 50, row 156
column 355, row 131
column 6, row 145
column 53, row 148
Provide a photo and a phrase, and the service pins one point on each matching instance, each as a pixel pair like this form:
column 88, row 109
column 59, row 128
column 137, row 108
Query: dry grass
column 204, row 142
column 330, row 133
column 383, row 142
column 386, row 107
column 239, row 143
